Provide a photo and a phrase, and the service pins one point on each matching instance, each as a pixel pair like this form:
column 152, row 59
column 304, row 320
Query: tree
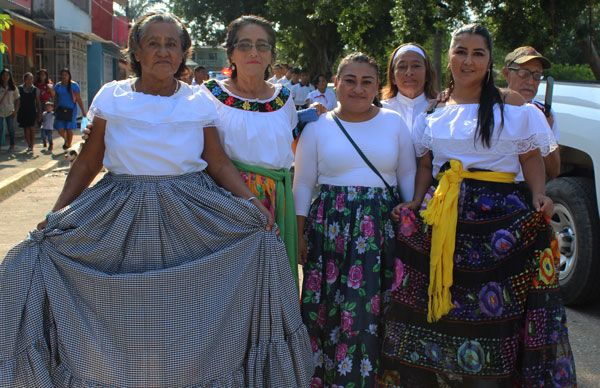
column 5, row 23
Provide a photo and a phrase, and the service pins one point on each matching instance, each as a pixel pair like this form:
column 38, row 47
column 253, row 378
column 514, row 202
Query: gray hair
column 139, row 29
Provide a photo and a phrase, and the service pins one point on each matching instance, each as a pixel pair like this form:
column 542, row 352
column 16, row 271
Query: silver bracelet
column 250, row 199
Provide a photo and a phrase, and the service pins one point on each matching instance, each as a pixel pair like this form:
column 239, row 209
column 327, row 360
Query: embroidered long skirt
column 152, row 281
column 508, row 325
column 350, row 239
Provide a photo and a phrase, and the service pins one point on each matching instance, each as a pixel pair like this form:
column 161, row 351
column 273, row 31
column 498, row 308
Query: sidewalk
column 19, row 168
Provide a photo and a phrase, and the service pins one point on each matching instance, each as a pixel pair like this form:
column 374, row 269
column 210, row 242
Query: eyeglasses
column 247, row 46
column 525, row 74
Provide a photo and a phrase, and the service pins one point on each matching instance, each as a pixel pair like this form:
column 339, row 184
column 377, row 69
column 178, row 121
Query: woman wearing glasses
column 523, row 71
column 256, row 120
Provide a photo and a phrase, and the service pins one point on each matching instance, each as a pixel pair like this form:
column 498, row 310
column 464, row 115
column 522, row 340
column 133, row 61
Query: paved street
column 24, row 210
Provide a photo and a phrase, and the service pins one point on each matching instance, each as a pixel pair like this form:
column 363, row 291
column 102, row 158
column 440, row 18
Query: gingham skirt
column 147, row 281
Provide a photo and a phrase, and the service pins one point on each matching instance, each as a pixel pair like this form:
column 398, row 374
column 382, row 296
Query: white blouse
column 408, row 108
column 450, row 130
column 257, row 138
column 152, row 135
column 325, row 156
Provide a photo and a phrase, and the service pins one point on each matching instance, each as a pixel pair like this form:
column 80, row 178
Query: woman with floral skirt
column 479, row 303
column 346, row 236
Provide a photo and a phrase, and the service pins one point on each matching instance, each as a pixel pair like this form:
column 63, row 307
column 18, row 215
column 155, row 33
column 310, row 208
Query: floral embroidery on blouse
column 270, row 106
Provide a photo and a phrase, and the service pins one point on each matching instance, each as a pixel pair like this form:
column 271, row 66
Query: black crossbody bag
column 365, row 159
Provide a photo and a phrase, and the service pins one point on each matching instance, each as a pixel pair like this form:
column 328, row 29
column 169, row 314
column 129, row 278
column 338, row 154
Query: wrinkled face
column 469, row 59
column 356, row 87
column 160, row 53
column 253, row 52
column 410, row 74
column 523, row 82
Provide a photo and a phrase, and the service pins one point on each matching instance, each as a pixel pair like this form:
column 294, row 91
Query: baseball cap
column 524, row 54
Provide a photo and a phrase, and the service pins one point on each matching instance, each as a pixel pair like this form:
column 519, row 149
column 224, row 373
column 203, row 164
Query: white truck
column 576, row 220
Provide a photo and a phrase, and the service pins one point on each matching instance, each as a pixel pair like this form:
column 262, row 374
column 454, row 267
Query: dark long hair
column 38, row 77
column 11, row 83
column 234, row 27
column 66, row 70
column 490, row 94
column 137, row 33
column 390, row 90
column 360, row 58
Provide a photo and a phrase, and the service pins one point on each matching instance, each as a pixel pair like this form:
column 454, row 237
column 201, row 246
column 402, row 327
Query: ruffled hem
column 269, row 361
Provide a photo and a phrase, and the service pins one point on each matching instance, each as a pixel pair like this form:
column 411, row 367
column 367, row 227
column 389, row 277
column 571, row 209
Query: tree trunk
column 591, row 55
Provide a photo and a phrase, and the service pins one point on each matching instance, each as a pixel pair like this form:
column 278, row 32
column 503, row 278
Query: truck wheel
column 577, row 229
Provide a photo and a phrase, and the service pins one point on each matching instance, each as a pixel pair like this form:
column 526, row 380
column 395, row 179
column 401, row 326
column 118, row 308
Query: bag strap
column 364, row 157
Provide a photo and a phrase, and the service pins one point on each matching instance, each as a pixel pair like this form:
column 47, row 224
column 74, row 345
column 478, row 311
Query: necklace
column 177, row 86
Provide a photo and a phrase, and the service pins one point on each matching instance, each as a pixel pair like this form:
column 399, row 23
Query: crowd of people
column 426, row 253
column 39, row 104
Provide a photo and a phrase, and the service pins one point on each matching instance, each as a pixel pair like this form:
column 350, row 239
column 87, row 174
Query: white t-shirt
column 7, row 103
column 327, row 99
column 153, row 135
column 408, row 108
column 260, row 138
column 325, row 156
column 450, row 130
column 300, row 93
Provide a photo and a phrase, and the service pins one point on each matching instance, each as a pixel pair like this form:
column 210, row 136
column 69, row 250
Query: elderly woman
column 411, row 82
column 478, row 303
column 156, row 276
column 256, row 121
column 349, row 236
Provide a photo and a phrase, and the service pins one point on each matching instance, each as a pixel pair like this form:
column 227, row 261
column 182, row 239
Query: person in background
column 9, row 105
column 67, row 97
column 30, row 112
column 523, row 70
column 278, row 74
column 346, row 235
column 476, row 301
column 48, row 124
column 301, row 89
column 411, row 82
column 321, row 94
column 187, row 75
column 46, row 88
column 293, row 79
column 200, row 75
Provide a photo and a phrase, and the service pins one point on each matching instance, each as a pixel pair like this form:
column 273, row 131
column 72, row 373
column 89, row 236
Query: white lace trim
column 545, row 142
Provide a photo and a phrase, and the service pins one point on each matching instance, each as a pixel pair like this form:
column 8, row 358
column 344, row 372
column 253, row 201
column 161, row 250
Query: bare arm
column 423, row 180
column 85, row 168
column 80, row 103
column 224, row 172
column 532, row 165
column 552, row 163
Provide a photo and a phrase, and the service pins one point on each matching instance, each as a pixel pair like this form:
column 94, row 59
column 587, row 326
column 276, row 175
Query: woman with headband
column 477, row 301
column 410, row 83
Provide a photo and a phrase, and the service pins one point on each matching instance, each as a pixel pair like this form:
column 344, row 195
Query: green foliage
column 5, row 23
column 578, row 72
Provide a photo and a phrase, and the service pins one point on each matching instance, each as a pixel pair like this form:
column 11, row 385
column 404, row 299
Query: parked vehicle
column 576, row 220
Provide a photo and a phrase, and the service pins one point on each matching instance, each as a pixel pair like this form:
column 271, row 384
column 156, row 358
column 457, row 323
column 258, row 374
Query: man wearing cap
column 523, row 70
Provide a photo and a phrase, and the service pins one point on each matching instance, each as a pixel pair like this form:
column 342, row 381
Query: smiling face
column 253, row 62
column 160, row 53
column 526, row 87
column 469, row 60
column 410, row 74
column 356, row 87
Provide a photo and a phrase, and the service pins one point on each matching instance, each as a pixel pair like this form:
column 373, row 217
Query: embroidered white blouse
column 408, row 108
column 152, row 135
column 258, row 138
column 325, row 156
column 449, row 132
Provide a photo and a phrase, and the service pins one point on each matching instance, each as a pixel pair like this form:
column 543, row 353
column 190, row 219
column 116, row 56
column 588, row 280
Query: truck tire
column 577, row 229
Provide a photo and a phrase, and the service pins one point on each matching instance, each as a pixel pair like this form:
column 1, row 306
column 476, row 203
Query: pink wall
column 102, row 15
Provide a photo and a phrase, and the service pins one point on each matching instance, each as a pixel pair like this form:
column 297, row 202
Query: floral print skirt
column 350, row 238
column 508, row 324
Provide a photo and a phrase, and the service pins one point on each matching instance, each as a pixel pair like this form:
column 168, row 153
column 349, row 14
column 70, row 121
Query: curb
column 25, row 177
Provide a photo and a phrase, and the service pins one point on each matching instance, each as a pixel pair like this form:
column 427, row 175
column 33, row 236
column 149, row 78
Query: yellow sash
column 442, row 214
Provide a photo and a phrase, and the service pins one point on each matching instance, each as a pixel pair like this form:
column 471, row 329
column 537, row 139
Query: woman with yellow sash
column 256, row 121
column 476, row 300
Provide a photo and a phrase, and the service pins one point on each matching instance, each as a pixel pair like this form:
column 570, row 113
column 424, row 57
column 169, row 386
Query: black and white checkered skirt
column 152, row 281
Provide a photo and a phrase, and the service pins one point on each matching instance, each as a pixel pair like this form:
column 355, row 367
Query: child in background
column 48, row 123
